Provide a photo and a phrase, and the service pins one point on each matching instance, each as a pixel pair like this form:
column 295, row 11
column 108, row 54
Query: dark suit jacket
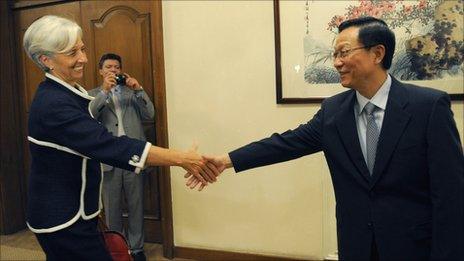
column 67, row 146
column 413, row 205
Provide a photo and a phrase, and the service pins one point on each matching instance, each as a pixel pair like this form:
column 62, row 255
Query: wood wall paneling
column 12, row 190
column 17, row 4
column 124, row 29
column 162, row 125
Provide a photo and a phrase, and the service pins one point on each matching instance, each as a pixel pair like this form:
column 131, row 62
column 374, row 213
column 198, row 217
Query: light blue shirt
column 117, row 91
column 380, row 100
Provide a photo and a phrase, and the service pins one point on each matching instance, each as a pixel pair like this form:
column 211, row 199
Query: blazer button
column 116, row 124
column 370, row 225
column 135, row 158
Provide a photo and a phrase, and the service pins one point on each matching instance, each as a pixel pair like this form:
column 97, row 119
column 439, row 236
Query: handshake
column 202, row 169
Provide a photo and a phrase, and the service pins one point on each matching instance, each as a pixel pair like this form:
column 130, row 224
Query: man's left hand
column 132, row 83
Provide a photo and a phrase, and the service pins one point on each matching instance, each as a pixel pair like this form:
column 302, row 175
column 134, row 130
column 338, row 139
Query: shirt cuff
column 139, row 92
column 141, row 164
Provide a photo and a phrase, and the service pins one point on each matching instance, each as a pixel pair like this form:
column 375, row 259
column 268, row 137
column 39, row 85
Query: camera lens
column 120, row 79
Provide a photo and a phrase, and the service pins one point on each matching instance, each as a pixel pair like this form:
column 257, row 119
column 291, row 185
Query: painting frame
column 313, row 99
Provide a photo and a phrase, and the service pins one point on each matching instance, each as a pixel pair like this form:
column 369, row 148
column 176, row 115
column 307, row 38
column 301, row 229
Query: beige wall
column 220, row 85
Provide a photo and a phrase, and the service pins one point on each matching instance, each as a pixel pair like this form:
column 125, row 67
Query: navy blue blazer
column 413, row 205
column 67, row 146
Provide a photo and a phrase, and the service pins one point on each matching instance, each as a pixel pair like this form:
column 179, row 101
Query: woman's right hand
column 196, row 165
column 191, row 161
column 217, row 163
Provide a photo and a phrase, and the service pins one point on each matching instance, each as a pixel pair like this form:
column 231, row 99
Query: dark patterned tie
column 372, row 136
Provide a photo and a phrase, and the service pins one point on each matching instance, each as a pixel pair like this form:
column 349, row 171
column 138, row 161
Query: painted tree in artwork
column 395, row 13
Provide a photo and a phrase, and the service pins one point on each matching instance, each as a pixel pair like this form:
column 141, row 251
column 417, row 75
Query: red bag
column 117, row 246
column 115, row 243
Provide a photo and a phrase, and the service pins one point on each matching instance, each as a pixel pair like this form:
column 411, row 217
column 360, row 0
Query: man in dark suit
column 393, row 151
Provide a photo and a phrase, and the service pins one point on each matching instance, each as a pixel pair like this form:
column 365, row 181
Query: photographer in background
column 121, row 105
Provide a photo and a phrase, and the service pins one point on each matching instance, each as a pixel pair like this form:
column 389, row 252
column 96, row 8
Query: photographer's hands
column 109, row 81
column 132, row 83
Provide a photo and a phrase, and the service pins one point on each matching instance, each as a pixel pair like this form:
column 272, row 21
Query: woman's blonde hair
column 50, row 35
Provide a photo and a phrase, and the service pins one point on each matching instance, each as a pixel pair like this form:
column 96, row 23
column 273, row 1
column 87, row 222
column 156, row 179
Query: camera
column 120, row 79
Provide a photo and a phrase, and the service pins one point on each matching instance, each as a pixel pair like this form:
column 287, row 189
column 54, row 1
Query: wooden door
column 132, row 29
column 124, row 28
column 12, row 189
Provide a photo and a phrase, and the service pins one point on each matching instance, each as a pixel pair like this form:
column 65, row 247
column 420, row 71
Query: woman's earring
column 51, row 68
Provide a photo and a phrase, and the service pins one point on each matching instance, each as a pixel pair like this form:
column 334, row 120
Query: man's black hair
column 109, row 56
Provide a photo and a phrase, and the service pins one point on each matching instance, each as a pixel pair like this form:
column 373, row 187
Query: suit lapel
column 346, row 125
column 394, row 122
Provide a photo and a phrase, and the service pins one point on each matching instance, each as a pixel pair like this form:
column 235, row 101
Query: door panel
column 124, row 28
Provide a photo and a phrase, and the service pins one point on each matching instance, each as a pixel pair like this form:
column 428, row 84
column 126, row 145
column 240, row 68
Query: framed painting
column 429, row 44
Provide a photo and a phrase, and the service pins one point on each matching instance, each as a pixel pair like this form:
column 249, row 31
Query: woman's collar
column 79, row 91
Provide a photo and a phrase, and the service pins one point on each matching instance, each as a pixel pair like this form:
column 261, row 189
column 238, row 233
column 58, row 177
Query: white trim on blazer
column 55, row 146
column 80, row 212
column 81, row 92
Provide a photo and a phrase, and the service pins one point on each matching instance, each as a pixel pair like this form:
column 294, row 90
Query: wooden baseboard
column 207, row 255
